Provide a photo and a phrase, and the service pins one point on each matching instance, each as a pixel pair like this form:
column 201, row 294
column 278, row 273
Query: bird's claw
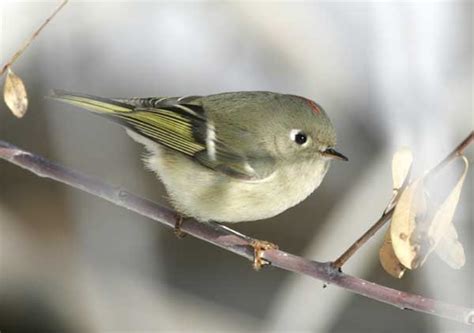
column 177, row 227
column 259, row 247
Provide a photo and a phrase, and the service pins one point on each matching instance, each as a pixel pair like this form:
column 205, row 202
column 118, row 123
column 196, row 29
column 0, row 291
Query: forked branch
column 227, row 239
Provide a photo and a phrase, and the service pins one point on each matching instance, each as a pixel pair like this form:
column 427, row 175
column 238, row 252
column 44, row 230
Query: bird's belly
column 207, row 195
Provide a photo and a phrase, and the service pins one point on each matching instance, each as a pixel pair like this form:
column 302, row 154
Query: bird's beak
column 331, row 153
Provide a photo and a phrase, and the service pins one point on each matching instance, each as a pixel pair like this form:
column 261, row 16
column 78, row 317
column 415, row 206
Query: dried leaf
column 414, row 236
column 401, row 165
column 450, row 250
column 389, row 260
column 409, row 211
column 442, row 232
column 14, row 94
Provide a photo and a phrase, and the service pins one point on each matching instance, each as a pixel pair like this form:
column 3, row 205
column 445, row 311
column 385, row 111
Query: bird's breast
column 295, row 183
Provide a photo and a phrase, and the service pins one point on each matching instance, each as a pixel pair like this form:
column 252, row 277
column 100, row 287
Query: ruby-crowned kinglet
column 230, row 157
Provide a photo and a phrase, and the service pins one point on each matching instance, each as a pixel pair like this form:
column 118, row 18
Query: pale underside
column 208, row 195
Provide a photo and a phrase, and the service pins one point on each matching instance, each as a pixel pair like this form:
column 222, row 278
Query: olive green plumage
column 227, row 157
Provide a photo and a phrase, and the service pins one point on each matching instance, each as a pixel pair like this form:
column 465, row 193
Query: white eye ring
column 298, row 136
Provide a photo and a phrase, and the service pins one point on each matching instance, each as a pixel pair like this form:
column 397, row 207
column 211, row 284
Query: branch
column 32, row 37
column 387, row 215
column 229, row 240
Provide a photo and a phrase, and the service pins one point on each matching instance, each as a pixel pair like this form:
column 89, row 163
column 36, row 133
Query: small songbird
column 229, row 157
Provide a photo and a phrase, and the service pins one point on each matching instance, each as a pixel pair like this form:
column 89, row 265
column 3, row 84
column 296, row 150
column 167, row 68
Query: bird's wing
column 181, row 124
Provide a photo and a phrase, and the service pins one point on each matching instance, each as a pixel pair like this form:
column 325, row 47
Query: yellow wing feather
column 172, row 128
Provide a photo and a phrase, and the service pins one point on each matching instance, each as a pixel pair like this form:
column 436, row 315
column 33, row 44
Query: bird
column 227, row 157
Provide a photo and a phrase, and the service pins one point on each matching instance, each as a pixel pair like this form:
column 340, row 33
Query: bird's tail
column 100, row 105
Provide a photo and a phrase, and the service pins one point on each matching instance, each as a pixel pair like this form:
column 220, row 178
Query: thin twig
column 339, row 262
column 387, row 215
column 232, row 241
column 32, row 37
column 458, row 151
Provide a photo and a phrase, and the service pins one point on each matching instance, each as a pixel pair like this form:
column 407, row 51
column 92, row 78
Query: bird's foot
column 259, row 247
column 177, row 227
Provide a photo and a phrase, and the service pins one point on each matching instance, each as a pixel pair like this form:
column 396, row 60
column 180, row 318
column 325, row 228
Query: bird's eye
column 300, row 138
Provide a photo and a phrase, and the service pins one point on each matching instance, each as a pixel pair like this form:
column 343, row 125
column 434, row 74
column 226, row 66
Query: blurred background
column 388, row 74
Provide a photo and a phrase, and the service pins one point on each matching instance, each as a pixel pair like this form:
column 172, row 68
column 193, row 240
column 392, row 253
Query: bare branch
column 387, row 215
column 230, row 240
